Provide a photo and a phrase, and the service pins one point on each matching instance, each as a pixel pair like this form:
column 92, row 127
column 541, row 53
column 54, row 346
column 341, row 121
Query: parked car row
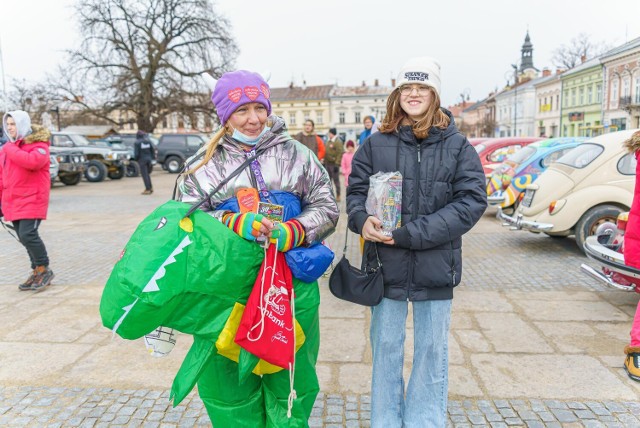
column 589, row 185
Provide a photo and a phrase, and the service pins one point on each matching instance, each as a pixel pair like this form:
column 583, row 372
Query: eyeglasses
column 420, row 89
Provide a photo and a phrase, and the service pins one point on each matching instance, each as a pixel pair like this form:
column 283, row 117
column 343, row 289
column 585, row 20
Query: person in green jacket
column 332, row 159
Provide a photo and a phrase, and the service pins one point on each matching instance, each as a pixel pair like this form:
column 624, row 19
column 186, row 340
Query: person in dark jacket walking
column 144, row 153
column 443, row 196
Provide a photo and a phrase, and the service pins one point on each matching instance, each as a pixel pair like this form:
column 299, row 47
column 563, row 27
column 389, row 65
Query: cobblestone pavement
column 534, row 342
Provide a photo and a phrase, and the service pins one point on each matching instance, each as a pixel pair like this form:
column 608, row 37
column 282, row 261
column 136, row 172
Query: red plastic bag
column 266, row 328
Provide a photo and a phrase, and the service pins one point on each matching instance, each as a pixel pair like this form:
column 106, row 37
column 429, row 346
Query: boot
column 632, row 362
column 147, row 192
column 43, row 278
column 26, row 286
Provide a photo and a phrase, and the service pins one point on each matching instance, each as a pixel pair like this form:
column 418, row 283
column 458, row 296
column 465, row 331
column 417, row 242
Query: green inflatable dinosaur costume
column 190, row 274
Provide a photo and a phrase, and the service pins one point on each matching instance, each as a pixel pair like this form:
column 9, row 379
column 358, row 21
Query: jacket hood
column 39, row 134
column 633, row 143
column 278, row 134
column 23, row 124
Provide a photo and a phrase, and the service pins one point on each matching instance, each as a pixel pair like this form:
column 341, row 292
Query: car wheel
column 133, row 169
column 118, row 173
column 71, row 180
column 593, row 218
column 174, row 164
column 96, row 171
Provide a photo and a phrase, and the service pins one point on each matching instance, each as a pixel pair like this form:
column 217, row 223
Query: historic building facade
column 548, row 105
column 351, row 104
column 582, row 100
column 621, row 77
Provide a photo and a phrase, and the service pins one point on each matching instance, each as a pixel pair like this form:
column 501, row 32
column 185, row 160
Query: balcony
column 629, row 104
column 624, row 101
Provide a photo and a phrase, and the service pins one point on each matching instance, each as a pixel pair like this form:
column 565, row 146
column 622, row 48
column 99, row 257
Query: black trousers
column 334, row 175
column 145, row 167
column 27, row 231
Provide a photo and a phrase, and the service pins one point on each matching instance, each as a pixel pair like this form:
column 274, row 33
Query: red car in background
column 494, row 151
column 477, row 140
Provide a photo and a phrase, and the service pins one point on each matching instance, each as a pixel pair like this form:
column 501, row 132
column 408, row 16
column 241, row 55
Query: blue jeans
column 425, row 402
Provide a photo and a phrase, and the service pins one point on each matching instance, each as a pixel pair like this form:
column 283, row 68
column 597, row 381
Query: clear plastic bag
column 384, row 200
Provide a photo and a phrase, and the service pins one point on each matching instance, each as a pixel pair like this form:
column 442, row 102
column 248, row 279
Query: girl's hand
column 372, row 231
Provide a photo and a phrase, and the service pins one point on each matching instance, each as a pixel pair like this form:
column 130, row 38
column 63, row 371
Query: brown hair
column 396, row 117
column 633, row 143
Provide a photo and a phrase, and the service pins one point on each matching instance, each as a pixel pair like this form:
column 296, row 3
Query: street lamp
column 515, row 100
column 57, row 112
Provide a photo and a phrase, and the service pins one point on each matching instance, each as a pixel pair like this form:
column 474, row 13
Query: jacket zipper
column 414, row 215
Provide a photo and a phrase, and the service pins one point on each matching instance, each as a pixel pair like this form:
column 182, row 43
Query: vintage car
column 523, row 167
column 588, row 186
column 54, row 167
column 495, row 151
column 605, row 251
column 477, row 140
column 71, row 164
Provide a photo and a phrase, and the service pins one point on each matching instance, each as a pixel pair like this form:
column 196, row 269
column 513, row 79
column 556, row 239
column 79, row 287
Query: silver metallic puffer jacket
column 286, row 165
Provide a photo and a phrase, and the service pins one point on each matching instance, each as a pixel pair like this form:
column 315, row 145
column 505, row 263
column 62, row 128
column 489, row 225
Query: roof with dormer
column 295, row 93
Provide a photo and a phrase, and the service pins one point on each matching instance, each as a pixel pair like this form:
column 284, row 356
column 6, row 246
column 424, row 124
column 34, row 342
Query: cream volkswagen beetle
column 589, row 185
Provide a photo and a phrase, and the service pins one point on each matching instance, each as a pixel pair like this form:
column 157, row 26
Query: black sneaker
column 43, row 278
column 27, row 285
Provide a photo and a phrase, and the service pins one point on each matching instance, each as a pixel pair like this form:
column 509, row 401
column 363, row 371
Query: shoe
column 147, row 192
column 26, row 286
column 632, row 362
column 43, row 278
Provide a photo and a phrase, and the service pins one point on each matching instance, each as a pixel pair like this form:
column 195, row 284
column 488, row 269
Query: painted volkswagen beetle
column 588, row 186
column 522, row 168
column 495, row 151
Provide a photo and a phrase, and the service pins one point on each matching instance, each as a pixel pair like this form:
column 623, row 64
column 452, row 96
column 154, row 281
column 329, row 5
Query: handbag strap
column 238, row 170
column 344, row 250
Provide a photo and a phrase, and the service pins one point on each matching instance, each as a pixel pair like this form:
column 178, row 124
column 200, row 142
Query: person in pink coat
column 24, row 190
column 347, row 157
column 632, row 258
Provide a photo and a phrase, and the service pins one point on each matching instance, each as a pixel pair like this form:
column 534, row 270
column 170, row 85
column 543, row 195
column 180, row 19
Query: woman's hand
column 372, row 231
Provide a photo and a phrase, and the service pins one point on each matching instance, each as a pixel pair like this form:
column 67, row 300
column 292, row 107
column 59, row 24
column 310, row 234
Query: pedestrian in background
column 309, row 139
column 332, row 159
column 24, row 190
column 369, row 129
column 144, row 153
column 347, row 157
column 632, row 258
column 443, row 196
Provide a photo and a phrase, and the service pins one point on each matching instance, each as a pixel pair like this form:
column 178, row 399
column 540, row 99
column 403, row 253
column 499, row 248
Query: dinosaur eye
column 161, row 223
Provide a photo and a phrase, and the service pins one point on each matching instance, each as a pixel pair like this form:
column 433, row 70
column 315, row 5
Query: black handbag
column 364, row 287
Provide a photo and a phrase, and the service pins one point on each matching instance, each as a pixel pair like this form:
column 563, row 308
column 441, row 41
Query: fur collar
column 38, row 134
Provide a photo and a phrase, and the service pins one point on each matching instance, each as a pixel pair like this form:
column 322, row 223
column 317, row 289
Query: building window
column 319, row 120
column 557, row 101
column 638, row 89
column 341, row 118
column 599, row 93
column 292, row 119
column 626, row 87
column 566, row 98
column 581, row 95
column 573, row 97
column 357, row 114
column 306, row 114
column 613, row 102
column 590, row 94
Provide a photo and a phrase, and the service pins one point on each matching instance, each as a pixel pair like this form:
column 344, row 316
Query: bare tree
column 144, row 58
column 487, row 126
column 581, row 46
column 34, row 98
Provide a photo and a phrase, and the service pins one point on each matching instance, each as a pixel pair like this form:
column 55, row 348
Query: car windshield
column 479, row 147
column 582, row 155
column 522, row 155
column 80, row 140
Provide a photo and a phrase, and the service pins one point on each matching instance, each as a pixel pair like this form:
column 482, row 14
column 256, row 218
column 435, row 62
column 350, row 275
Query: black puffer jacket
column 443, row 196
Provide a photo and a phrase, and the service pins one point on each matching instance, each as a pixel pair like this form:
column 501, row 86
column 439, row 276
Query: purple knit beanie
column 237, row 88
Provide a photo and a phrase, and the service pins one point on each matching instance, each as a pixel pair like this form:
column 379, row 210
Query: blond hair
column 396, row 116
column 212, row 145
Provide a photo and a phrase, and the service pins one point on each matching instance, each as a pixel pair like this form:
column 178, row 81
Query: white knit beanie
column 422, row 70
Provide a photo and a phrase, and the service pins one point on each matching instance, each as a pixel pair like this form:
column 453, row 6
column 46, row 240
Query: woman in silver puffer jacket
column 283, row 169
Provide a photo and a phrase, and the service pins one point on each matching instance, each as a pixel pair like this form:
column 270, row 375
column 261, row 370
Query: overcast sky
column 348, row 41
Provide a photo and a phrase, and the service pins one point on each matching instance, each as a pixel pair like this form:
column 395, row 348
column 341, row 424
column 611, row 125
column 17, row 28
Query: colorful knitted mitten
column 287, row 235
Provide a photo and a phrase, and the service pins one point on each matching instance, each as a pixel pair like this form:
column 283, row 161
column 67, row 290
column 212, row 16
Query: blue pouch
column 306, row 263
